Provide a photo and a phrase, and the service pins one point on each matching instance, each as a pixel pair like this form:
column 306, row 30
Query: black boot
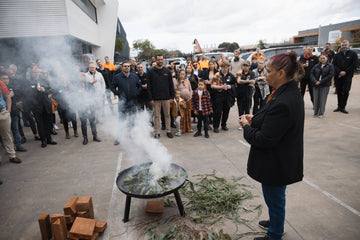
column 198, row 133
column 51, row 141
column 96, row 138
column 85, row 141
column 43, row 143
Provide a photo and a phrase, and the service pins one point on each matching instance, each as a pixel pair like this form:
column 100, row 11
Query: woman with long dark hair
column 193, row 79
column 183, row 85
column 275, row 133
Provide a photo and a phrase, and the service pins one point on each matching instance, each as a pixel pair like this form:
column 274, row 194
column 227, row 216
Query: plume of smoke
column 55, row 54
column 134, row 134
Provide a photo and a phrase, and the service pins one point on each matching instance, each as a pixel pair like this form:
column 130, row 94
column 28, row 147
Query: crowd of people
column 204, row 90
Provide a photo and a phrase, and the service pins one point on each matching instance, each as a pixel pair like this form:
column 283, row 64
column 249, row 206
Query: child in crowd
column 178, row 107
column 202, row 107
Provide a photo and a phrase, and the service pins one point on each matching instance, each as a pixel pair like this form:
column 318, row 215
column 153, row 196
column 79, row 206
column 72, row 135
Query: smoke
column 134, row 135
column 57, row 56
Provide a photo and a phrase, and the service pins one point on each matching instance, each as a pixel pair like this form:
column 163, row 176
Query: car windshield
column 245, row 55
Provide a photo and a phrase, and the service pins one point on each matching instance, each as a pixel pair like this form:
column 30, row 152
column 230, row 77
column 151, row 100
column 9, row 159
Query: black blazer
column 276, row 138
column 345, row 62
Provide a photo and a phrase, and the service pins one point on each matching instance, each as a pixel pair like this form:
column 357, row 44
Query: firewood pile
column 76, row 223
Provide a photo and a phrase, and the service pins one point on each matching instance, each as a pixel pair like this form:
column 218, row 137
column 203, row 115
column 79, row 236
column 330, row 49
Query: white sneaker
column 240, row 128
column 56, row 127
column 178, row 134
column 320, row 116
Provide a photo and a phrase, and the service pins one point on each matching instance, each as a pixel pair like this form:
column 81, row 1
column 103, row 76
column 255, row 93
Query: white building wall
column 28, row 18
column 81, row 26
column 35, row 18
column 107, row 22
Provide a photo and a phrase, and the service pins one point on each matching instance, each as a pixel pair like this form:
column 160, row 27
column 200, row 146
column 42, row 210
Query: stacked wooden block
column 78, row 218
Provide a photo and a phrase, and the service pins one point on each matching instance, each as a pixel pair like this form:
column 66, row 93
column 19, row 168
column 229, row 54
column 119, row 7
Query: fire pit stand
column 175, row 186
column 128, row 203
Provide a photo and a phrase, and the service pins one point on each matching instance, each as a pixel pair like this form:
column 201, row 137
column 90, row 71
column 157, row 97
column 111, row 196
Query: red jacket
column 205, row 102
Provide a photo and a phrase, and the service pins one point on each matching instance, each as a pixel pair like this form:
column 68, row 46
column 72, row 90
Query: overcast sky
column 175, row 24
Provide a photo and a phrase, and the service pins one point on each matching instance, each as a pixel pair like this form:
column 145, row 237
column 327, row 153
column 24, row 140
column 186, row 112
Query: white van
column 215, row 54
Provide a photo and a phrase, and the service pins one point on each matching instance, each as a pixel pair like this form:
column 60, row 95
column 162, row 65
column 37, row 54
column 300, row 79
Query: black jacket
column 143, row 96
column 313, row 60
column 15, row 86
column 326, row 73
column 276, row 138
column 194, row 80
column 43, row 102
column 160, row 84
column 242, row 89
column 107, row 75
column 345, row 62
column 205, row 74
column 127, row 88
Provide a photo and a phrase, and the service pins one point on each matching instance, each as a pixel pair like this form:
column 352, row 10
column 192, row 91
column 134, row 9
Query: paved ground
column 325, row 205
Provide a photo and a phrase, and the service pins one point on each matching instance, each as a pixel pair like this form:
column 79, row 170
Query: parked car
column 317, row 50
column 245, row 55
column 179, row 61
column 357, row 51
column 269, row 52
column 217, row 55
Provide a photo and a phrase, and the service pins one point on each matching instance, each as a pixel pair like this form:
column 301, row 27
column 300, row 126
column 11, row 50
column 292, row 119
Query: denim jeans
column 108, row 97
column 88, row 114
column 15, row 130
column 275, row 200
column 127, row 110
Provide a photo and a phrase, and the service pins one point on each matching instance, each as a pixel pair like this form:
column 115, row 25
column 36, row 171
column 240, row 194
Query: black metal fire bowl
column 134, row 182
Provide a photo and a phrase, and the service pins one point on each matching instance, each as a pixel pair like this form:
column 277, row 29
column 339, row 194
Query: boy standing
column 202, row 107
column 178, row 107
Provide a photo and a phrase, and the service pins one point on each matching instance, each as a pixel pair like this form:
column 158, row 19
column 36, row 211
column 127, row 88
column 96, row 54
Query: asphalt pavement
column 325, row 205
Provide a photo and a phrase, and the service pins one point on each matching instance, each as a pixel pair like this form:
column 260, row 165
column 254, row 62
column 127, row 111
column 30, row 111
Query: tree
column 229, row 46
column 145, row 47
column 119, row 45
column 261, row 44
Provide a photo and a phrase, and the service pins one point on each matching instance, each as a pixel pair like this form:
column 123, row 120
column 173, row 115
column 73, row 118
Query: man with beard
column 126, row 85
column 236, row 63
column 328, row 51
column 161, row 94
column 345, row 63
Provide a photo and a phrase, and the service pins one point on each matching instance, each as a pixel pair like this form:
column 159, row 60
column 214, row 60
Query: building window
column 87, row 7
